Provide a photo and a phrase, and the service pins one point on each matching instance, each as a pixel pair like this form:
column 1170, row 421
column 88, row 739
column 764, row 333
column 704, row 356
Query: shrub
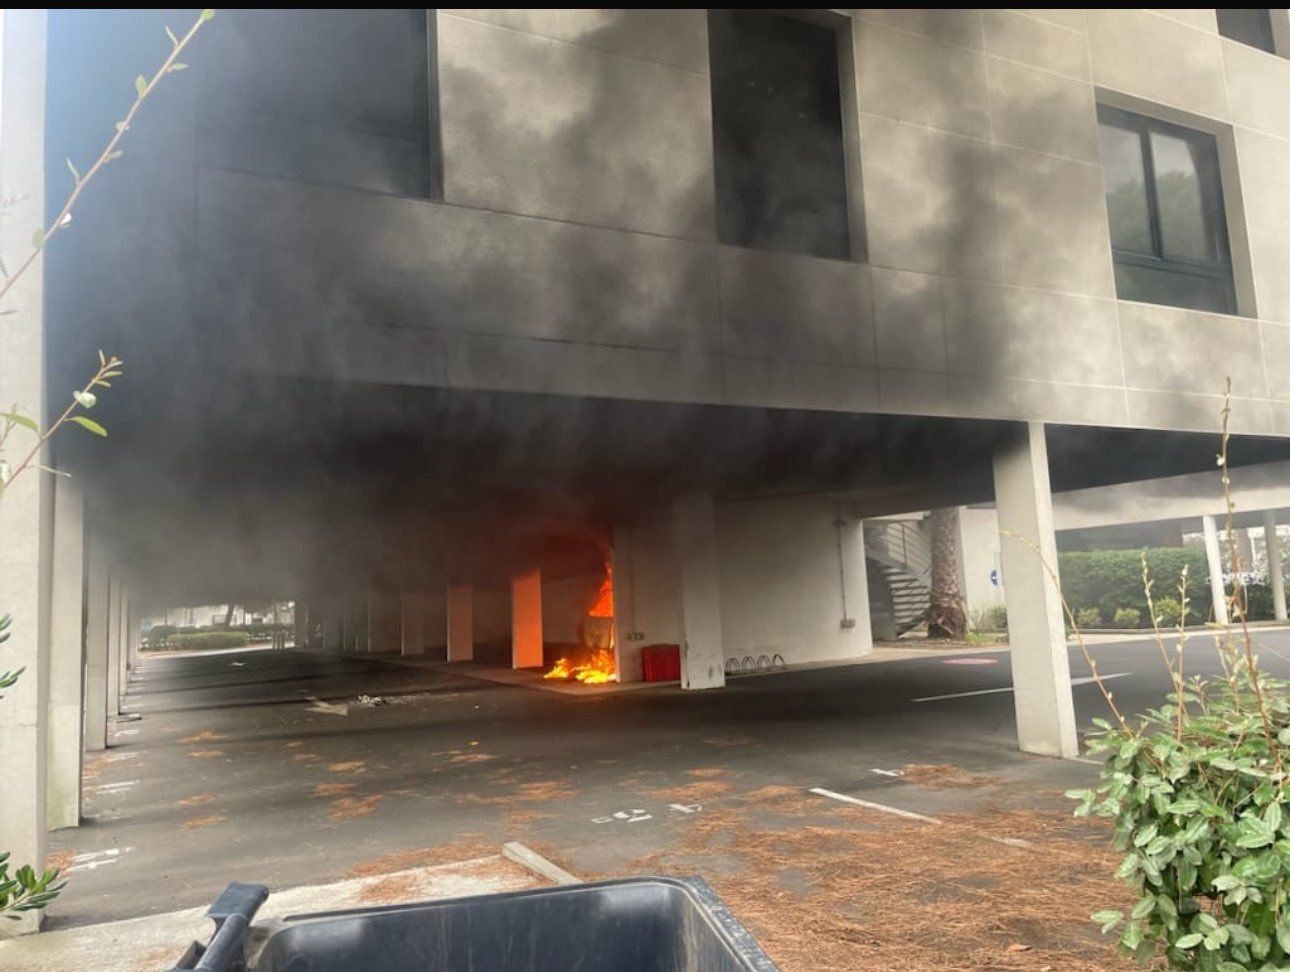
column 1088, row 617
column 1127, row 618
column 206, row 641
column 1198, row 799
column 1112, row 579
column 994, row 618
column 1167, row 611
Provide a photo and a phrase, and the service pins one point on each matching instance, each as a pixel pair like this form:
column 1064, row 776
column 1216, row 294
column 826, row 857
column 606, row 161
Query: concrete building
column 429, row 312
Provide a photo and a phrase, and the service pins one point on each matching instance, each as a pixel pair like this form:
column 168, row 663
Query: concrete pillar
column 1272, row 546
column 134, row 637
column 66, row 656
column 1041, row 677
column 384, row 621
column 115, row 627
column 300, row 638
column 333, row 627
column 627, row 650
column 26, row 508
column 412, row 628
column 526, row 619
column 694, row 537
column 461, row 622
column 96, row 647
column 1214, row 559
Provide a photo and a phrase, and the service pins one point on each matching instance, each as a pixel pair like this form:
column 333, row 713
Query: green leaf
column 179, row 66
column 173, row 39
column 38, row 238
column 75, row 174
column 85, row 399
column 1272, row 816
column 19, row 419
column 1107, row 919
column 1189, row 941
column 1283, row 938
column 207, row 14
column 1144, row 907
column 141, row 85
column 88, row 423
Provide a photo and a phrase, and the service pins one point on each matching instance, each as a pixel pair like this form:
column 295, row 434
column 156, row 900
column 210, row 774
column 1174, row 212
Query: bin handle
column 232, row 912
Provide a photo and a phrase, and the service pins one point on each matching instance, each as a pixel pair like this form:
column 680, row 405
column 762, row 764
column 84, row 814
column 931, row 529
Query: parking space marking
column 880, row 807
column 1086, row 680
column 910, row 814
column 883, row 772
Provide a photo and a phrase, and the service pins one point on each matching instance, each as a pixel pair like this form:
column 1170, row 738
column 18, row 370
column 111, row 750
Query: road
column 233, row 773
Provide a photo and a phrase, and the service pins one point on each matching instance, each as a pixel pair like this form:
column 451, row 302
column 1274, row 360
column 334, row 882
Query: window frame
column 1267, row 41
column 1221, row 268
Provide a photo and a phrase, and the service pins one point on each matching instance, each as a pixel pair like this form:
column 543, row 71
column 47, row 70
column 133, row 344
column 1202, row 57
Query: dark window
column 1164, row 203
column 1253, row 27
column 777, row 129
column 334, row 96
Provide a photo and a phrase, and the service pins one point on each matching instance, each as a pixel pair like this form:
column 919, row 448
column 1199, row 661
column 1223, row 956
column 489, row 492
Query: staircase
column 899, row 560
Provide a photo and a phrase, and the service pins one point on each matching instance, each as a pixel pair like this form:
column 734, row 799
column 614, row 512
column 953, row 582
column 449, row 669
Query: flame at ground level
column 596, row 670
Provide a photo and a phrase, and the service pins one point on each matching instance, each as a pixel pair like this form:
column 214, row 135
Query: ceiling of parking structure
column 230, row 487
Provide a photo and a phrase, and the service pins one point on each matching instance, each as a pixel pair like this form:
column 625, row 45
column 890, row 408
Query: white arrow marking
column 1008, row 688
column 327, row 707
column 882, row 772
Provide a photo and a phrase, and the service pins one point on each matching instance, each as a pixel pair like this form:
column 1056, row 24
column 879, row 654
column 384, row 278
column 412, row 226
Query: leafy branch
column 143, row 87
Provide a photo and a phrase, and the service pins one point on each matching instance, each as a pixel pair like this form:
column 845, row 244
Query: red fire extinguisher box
column 661, row 663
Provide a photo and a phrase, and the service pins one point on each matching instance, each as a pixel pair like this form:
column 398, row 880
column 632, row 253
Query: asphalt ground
column 234, row 773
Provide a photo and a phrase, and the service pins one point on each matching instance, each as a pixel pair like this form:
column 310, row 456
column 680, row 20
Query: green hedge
column 1110, row 582
column 205, row 641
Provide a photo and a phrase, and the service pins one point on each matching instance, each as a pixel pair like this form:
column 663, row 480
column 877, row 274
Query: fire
column 598, row 631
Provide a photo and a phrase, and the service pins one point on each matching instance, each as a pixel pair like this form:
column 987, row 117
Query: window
column 1164, row 204
column 1253, row 27
column 334, row 96
column 777, row 131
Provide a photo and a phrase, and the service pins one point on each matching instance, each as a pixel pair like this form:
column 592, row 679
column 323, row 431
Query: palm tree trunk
column 946, row 617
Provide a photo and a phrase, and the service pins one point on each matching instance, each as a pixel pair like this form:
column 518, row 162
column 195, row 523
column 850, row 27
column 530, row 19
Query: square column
column 384, row 623
column 134, row 639
column 96, row 648
column 526, row 620
column 1214, row 560
column 694, row 536
column 26, row 511
column 627, row 651
column 66, row 657
column 115, row 626
column 1041, row 677
column 1272, row 545
column 412, row 627
column 300, row 619
column 333, row 627
column 461, row 622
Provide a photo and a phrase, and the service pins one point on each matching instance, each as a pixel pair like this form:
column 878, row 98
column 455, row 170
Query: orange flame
column 599, row 668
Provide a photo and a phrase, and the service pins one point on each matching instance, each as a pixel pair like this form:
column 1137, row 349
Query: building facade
column 418, row 306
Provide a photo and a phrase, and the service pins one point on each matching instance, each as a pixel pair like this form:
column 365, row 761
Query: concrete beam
column 66, row 656
column 526, row 619
column 1036, row 629
column 96, row 648
column 412, row 626
column 461, row 622
column 1214, row 560
column 694, row 534
column 1272, row 546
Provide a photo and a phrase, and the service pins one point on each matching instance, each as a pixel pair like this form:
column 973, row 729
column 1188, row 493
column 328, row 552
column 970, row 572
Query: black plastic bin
column 635, row 925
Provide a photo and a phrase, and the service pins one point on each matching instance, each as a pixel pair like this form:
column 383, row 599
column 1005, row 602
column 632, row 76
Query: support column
column 526, row 619
column 134, row 639
column 412, row 628
column 1041, row 677
column 627, row 650
column 384, row 623
column 300, row 622
column 461, row 622
column 1272, row 546
column 115, row 627
column 96, row 648
column 1214, row 559
column 26, row 510
column 694, row 536
column 333, row 627
column 66, row 656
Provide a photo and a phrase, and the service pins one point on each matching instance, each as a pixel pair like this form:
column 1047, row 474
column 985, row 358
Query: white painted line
column 114, row 787
column 118, row 757
column 896, row 811
column 883, row 772
column 535, row 862
column 96, row 859
column 1086, row 680
column 880, row 807
column 327, row 707
column 1085, row 759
